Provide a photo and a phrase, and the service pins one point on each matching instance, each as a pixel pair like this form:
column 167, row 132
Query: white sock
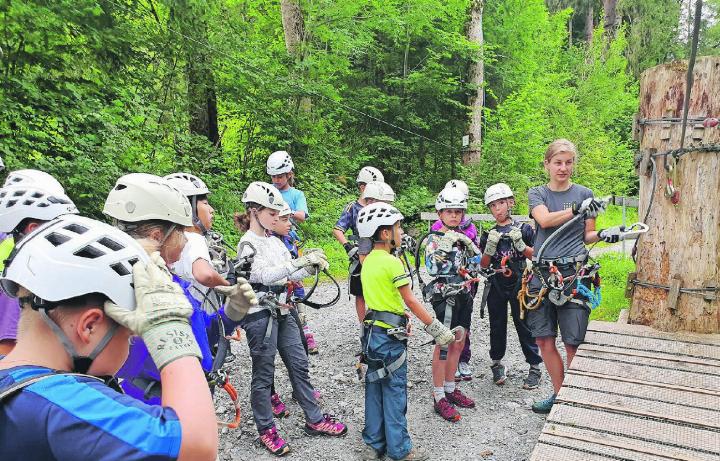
column 449, row 387
column 438, row 393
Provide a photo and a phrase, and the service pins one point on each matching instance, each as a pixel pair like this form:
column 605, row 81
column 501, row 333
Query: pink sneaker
column 458, row 398
column 273, row 442
column 328, row 425
column 312, row 345
column 445, row 409
column 278, row 407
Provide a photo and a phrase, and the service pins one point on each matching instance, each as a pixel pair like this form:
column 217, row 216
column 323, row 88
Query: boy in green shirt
column 387, row 291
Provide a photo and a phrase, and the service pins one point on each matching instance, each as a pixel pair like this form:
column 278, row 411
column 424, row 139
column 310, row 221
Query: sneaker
column 458, row 398
column 273, row 442
column 465, row 371
column 445, row 409
column 544, row 406
column 312, row 345
column 499, row 375
column 533, row 379
column 458, row 375
column 416, row 454
column 278, row 407
column 328, row 425
column 316, row 395
column 370, row 454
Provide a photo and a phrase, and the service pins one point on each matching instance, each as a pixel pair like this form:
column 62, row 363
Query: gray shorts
column 570, row 317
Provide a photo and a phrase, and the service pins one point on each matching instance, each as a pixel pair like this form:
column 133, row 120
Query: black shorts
column 355, row 283
column 461, row 312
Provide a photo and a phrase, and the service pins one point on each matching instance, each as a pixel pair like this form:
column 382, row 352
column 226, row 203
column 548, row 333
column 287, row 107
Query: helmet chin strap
column 81, row 363
column 195, row 218
column 267, row 231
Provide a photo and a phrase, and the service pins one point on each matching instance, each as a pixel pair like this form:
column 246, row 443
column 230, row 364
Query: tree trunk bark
column 589, row 23
column 201, row 96
column 612, row 19
column 477, row 79
column 683, row 243
column 294, row 31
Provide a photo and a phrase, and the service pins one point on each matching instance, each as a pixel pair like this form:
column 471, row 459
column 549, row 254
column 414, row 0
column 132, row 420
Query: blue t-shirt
column 295, row 200
column 77, row 418
column 348, row 218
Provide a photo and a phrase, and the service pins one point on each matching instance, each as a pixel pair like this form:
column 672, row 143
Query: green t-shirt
column 381, row 276
column 6, row 247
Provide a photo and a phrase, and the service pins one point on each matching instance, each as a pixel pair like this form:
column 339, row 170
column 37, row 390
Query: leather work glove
column 515, row 235
column 348, row 247
column 161, row 313
column 312, row 257
column 492, row 242
column 612, row 234
column 469, row 244
column 591, row 207
column 442, row 334
column 448, row 241
column 239, row 298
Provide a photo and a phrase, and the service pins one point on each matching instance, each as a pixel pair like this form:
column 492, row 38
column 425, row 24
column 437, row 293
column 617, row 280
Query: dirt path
column 502, row 427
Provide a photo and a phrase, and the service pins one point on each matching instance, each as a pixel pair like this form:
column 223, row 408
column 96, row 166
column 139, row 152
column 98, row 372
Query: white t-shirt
column 271, row 264
column 196, row 248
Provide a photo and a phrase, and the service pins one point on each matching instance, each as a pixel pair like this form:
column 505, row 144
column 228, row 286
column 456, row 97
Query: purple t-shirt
column 9, row 311
column 466, row 227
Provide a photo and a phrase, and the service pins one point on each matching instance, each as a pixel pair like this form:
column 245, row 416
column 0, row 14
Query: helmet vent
column 78, row 229
column 89, row 252
column 11, row 203
column 120, row 269
column 57, row 239
column 39, row 205
column 18, row 193
column 28, row 202
column 132, row 261
column 37, row 195
column 62, row 201
column 110, row 243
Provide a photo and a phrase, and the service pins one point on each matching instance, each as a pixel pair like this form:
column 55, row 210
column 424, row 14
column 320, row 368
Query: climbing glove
column 161, row 313
column 239, row 298
column 349, row 246
column 442, row 334
column 515, row 235
column 312, row 257
column 591, row 207
column 448, row 240
column 492, row 242
column 612, row 234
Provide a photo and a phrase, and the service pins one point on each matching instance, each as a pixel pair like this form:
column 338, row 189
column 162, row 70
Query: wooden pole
column 681, row 249
column 477, row 79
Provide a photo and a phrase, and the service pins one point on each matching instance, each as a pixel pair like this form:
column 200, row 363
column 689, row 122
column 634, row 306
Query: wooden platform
column 634, row 393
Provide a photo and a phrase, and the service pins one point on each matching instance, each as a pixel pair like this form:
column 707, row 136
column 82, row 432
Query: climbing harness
column 292, row 285
column 399, row 330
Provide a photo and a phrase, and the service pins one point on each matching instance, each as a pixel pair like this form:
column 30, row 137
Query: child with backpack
column 507, row 256
column 443, row 258
column 269, row 327
column 386, row 286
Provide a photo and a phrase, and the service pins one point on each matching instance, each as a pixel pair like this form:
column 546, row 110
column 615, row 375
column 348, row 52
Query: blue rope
column 594, row 297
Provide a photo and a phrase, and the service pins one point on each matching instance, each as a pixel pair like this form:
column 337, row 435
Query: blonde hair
column 559, row 146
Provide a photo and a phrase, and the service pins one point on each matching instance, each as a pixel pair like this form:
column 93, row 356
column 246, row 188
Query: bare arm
column 299, row 216
column 204, row 273
column 340, row 236
column 185, row 390
column 414, row 305
column 545, row 218
column 591, row 235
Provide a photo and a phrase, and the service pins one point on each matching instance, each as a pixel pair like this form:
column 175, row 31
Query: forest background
column 93, row 89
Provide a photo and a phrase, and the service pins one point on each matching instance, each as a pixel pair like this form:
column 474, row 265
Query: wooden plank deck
column 634, row 393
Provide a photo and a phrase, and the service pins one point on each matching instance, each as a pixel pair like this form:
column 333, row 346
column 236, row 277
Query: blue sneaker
column 544, row 406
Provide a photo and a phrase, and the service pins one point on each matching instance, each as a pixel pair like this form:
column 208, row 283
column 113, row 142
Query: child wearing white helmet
column 280, row 168
column 151, row 210
column 347, row 222
column 385, row 328
column 443, row 255
column 508, row 257
column 466, row 226
column 91, row 288
column 24, row 206
column 269, row 327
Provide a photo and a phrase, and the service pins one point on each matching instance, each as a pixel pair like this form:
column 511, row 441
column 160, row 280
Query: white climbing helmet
column 189, row 184
column 263, row 194
column 369, row 174
column 379, row 191
column 140, row 197
column 285, row 210
column 279, row 162
column 452, row 198
column 373, row 216
column 458, row 184
column 36, row 178
column 27, row 201
column 496, row 192
column 74, row 256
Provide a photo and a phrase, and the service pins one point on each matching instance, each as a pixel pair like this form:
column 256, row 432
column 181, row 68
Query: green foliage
column 615, row 268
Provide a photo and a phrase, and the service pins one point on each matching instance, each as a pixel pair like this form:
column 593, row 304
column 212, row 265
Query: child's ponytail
column 242, row 221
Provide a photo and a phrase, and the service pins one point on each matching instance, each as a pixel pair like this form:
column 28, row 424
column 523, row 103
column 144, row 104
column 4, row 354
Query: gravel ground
column 501, row 427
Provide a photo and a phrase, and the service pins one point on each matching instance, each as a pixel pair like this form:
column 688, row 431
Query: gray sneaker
column 370, row 454
column 533, row 379
column 499, row 375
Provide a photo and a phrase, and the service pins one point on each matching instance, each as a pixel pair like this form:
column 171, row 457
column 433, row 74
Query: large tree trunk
column 589, row 23
column 612, row 19
column 682, row 247
column 477, row 78
column 294, row 30
column 202, row 100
